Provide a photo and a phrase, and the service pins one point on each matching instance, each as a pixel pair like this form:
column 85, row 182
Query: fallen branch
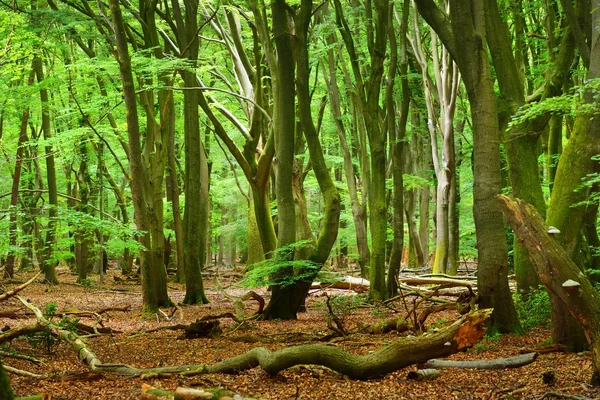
column 347, row 283
column 16, row 290
column 497, row 363
column 21, row 330
column 21, row 372
column 436, row 281
column 7, row 354
column 551, row 348
column 556, row 395
column 402, row 352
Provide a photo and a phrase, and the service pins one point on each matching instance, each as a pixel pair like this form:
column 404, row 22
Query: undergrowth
column 533, row 310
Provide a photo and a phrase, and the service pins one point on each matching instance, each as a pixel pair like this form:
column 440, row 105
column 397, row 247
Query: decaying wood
column 556, row 395
column 346, row 283
column 20, row 331
column 554, row 267
column 21, row 372
column 497, row 363
column 402, row 352
column 436, row 281
column 551, row 348
column 428, row 374
column 16, row 290
column 6, row 354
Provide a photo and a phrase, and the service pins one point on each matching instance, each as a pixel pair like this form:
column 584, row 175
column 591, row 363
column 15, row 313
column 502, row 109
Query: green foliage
column 487, row 343
column 570, row 103
column 88, row 282
column 281, row 269
column 535, row 309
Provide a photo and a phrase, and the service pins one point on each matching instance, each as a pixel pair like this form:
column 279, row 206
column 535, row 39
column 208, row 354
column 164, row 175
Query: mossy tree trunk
column 196, row 208
column 555, row 267
column 358, row 207
column 292, row 296
column 397, row 133
column 464, row 35
column 369, row 89
column 566, row 210
column 521, row 140
column 48, row 262
column 153, row 275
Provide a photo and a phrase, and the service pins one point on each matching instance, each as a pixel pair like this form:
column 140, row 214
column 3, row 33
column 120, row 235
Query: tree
column 467, row 21
column 153, row 274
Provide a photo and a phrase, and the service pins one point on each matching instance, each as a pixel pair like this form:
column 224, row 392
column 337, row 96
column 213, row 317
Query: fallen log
column 401, row 353
column 347, row 283
column 436, row 281
column 497, row 363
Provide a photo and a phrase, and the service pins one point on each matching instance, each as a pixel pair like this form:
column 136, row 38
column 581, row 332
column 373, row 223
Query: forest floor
column 67, row 378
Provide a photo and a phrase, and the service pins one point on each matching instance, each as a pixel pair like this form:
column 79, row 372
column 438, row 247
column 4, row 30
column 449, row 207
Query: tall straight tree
column 153, row 272
column 442, row 90
column 195, row 221
column 369, row 89
column 284, row 131
column 467, row 22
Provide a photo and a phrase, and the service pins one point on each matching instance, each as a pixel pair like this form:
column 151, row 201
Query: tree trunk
column 561, row 276
column 565, row 211
column 14, row 193
column 48, row 262
column 468, row 24
column 285, row 299
column 138, row 178
column 397, row 135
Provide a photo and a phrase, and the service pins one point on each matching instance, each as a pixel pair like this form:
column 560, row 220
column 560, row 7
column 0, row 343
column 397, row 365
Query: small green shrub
column 281, row 269
column 534, row 310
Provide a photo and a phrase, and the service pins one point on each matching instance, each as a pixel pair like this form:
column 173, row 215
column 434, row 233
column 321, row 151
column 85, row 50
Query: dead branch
column 402, row 352
column 21, row 330
column 424, row 375
column 332, row 319
column 7, row 354
column 556, row 395
column 497, row 363
column 551, row 348
column 436, row 281
column 21, row 372
column 16, row 290
column 358, row 285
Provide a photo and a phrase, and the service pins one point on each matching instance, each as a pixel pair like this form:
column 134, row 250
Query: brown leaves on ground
column 68, row 379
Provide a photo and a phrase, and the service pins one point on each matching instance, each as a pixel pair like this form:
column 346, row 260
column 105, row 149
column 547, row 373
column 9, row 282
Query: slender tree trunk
column 14, row 193
column 48, row 262
column 138, row 175
column 397, row 134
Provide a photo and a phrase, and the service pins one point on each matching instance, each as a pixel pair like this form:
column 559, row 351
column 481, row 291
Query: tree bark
column 565, row 211
column 468, row 23
column 556, row 270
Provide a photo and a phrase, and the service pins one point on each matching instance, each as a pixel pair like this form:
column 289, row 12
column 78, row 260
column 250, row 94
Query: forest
column 299, row 199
